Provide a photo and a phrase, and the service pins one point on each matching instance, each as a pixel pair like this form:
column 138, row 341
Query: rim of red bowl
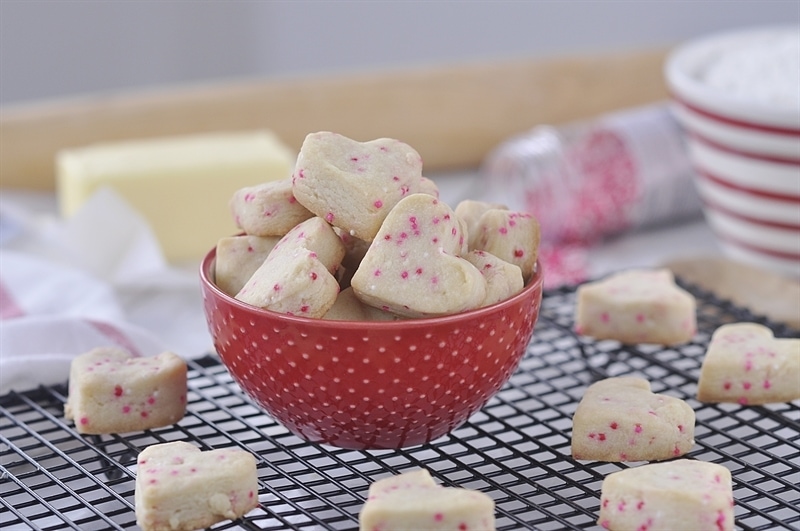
column 716, row 104
column 535, row 283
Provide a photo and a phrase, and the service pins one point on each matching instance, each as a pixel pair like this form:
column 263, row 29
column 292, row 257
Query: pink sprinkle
column 404, row 274
column 419, row 272
column 249, row 197
column 605, row 502
column 276, row 287
column 438, row 517
column 503, row 230
column 638, row 428
column 313, row 275
column 117, row 390
column 748, row 365
column 144, row 414
column 605, row 524
column 746, row 385
column 84, row 421
column 720, row 520
column 329, row 217
column 767, row 384
column 742, row 400
column 621, row 506
column 680, row 428
column 676, row 450
column 601, row 436
column 378, row 203
column 639, row 318
column 519, row 253
column 304, row 308
column 151, row 400
column 605, row 317
column 377, row 273
column 640, row 505
column 726, row 386
column 153, row 481
column 126, row 409
column 614, row 425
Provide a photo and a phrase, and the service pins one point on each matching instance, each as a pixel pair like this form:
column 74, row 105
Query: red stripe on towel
column 9, row 309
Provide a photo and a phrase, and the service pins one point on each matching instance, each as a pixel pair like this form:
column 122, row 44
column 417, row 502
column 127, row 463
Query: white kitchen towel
column 67, row 286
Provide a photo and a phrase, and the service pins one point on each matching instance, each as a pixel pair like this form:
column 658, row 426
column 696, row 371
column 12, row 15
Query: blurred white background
column 58, row 48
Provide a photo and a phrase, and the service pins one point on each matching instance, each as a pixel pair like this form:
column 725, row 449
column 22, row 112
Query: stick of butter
column 181, row 185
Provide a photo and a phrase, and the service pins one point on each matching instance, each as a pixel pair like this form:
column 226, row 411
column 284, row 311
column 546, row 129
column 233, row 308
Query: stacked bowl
column 737, row 96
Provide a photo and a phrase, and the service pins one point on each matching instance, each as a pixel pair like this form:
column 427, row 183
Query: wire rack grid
column 516, row 449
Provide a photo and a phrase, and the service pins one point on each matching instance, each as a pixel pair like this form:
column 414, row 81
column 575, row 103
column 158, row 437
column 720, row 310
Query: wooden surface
column 453, row 116
column 764, row 293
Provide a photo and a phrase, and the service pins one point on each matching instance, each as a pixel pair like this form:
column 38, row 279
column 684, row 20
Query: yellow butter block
column 181, row 184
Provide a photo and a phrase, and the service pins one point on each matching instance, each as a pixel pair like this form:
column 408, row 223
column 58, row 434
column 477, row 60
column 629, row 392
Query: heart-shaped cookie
column 112, row 391
column 414, row 501
column 621, row 419
column 636, row 306
column 180, row 487
column 267, row 209
column 413, row 267
column 510, row 236
column 745, row 363
column 296, row 277
column 353, row 185
column 679, row 494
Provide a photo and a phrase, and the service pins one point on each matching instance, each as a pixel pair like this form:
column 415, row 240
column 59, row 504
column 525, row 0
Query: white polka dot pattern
column 370, row 385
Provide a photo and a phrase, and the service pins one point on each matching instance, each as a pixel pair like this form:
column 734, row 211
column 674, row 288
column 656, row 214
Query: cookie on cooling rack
column 636, row 306
column 112, row 391
column 746, row 364
column 621, row 419
column 181, row 488
column 680, row 494
column 413, row 500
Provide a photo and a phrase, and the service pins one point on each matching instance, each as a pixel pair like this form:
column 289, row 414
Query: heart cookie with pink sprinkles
column 621, row 419
column 746, row 364
column 413, row 500
column 353, row 185
column 413, row 266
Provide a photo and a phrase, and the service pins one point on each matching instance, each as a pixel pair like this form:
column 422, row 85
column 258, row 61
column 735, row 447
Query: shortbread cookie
column 675, row 495
column 353, row 185
column 413, row 501
column 111, row 391
column 621, row 419
column 503, row 280
column 349, row 308
column 636, row 306
column 297, row 276
column 510, row 236
column 180, row 488
column 267, row 209
column 747, row 364
column 471, row 210
column 237, row 258
column 427, row 186
column 412, row 267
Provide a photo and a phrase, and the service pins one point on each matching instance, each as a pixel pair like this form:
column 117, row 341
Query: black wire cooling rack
column 516, row 449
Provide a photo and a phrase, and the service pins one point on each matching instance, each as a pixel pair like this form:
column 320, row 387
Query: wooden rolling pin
column 452, row 115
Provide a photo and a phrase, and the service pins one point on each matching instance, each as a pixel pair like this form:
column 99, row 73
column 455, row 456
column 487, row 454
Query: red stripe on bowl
column 742, row 153
column 705, row 174
column 786, row 255
column 756, row 221
column 774, row 129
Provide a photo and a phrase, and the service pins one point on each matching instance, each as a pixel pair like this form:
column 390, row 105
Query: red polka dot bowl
column 370, row 385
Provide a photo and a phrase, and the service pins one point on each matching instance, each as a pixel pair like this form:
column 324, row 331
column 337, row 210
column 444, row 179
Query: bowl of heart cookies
column 361, row 311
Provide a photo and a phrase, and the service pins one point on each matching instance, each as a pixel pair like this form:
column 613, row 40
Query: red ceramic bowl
column 370, row 384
